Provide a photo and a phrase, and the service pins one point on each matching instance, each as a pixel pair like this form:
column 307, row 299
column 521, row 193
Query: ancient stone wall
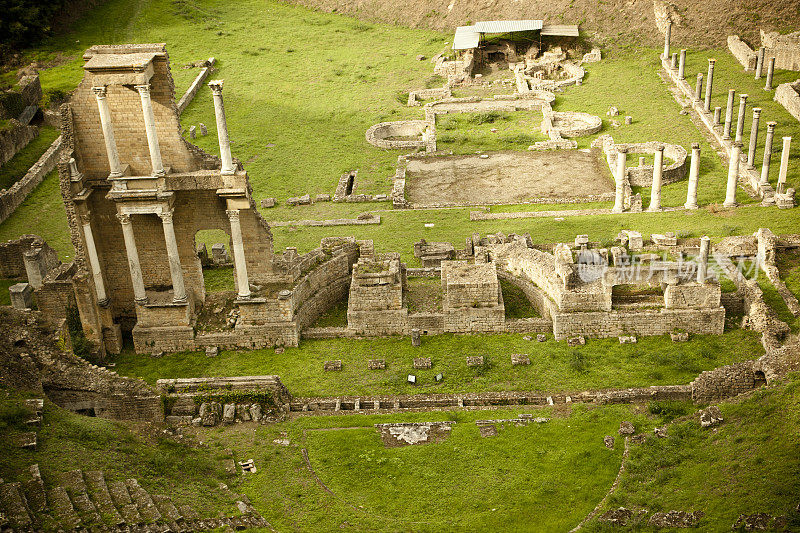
column 639, row 322
column 642, row 176
column 411, row 134
column 784, row 48
column 723, row 382
column 15, row 138
column 788, row 95
column 742, row 52
column 538, row 298
column 11, row 198
column 12, row 265
column 191, row 92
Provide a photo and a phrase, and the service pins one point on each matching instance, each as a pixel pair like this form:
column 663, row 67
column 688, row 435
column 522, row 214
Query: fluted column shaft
column 658, row 173
column 733, row 175
column 740, row 118
column 787, row 143
column 751, row 152
column 619, row 197
column 726, row 134
column 134, row 265
column 767, row 152
column 94, row 261
column 667, row 37
column 694, row 176
column 770, row 74
column 709, row 84
column 682, row 65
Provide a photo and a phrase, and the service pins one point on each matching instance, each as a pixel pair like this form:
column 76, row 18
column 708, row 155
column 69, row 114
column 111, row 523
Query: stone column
column 139, row 293
column 108, row 132
column 150, row 129
column 770, row 73
column 238, row 255
column 760, row 62
column 787, row 142
column 709, row 84
column 733, row 175
column 698, row 88
column 94, row 261
column 673, row 61
column 717, row 116
column 726, row 134
column 702, row 265
column 222, row 128
column 175, row 268
column 694, row 176
column 682, row 65
column 751, row 152
column 658, row 173
column 667, row 36
column 619, row 198
column 767, row 152
column 740, row 119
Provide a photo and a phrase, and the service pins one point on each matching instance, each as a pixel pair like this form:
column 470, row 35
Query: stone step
column 76, row 488
column 63, row 510
column 98, row 492
column 14, row 505
column 144, row 503
column 36, row 495
column 166, row 508
column 187, row 512
column 122, row 501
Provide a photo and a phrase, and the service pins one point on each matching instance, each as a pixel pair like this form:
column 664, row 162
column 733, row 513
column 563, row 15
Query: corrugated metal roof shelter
column 562, row 30
column 507, row 26
column 466, row 38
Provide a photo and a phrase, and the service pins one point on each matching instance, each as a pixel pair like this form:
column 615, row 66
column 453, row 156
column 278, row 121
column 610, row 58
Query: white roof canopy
column 468, row 37
column 507, row 26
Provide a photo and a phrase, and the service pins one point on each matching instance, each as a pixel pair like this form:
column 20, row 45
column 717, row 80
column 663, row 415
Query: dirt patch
column 506, row 178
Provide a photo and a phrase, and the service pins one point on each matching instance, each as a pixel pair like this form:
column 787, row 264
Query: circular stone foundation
column 400, row 134
column 576, row 124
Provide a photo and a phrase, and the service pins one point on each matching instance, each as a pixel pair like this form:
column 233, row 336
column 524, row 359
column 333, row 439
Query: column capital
column 233, row 214
column 622, row 149
column 86, row 218
column 743, row 96
column 216, row 87
column 787, row 139
column 695, row 146
column 100, row 91
column 166, row 216
column 711, row 61
column 756, row 111
column 771, row 126
column 659, row 147
column 124, row 218
column 144, row 90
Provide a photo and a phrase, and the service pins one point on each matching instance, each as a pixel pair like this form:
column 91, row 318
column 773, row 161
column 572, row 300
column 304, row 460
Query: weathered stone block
column 332, row 366
column 376, row 364
column 518, row 359
column 608, row 440
column 576, row 341
column 229, row 413
column 474, row 360
column 323, row 197
column 219, row 253
column 268, row 202
column 626, row 428
column 21, row 296
column 679, row 337
column 212, row 351
column 627, row 340
column 422, row 362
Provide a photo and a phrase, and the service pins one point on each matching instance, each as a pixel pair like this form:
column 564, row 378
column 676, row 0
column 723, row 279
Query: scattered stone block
column 192, row 132
column 628, row 120
column 581, row 240
column 668, row 239
column 219, row 253
column 421, row 57
column 518, row 359
column 323, row 197
column 710, row 417
column 212, row 351
column 679, row 336
column 675, row 519
column 203, row 129
column 474, row 360
column 541, row 337
column 376, row 364
column 178, row 420
column 279, row 350
column 627, row 340
column 305, row 199
column 294, row 200
column 21, row 295
column 268, row 202
column 412, row 379
column 612, row 111
column 576, row 341
column 755, row 522
column 634, row 240
column 636, row 203
column 620, row 516
column 380, row 197
column 229, row 413
column 608, row 440
column 661, row 432
column 415, row 337
column 255, row 412
column 333, row 366
column 626, row 428
column 422, row 362
column 243, row 412
column 248, row 466
column 489, row 430
column 549, row 400
column 209, row 414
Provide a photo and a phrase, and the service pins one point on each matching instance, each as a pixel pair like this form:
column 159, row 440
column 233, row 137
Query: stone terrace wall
column 12, row 265
column 784, row 48
column 788, row 95
column 640, row 322
column 742, row 52
column 14, row 139
column 543, row 305
column 723, row 382
column 11, row 198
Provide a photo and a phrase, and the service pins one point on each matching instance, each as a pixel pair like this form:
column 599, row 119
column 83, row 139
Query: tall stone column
column 222, row 128
column 733, row 175
column 698, row 88
column 108, row 132
column 150, row 129
column 726, row 134
column 709, row 84
column 694, row 176
column 175, row 268
column 673, row 61
column 658, row 174
column 238, row 255
column 94, row 261
column 619, row 197
column 767, row 152
column 702, row 265
column 135, row 267
column 682, row 65
column 667, row 37
column 760, row 62
column 740, row 119
column 770, row 73
column 787, row 143
column 751, row 152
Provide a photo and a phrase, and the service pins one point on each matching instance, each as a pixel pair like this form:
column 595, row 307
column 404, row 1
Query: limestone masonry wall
column 14, row 139
column 724, row 382
column 11, row 198
column 784, row 48
column 742, row 52
column 788, row 95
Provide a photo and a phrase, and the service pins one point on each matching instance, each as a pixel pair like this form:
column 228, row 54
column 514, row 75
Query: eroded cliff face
column 695, row 24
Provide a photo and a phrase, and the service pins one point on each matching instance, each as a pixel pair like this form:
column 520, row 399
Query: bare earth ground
column 506, row 178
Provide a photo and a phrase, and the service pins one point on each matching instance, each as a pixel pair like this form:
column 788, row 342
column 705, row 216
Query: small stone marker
column 212, row 351
column 415, row 337
column 323, row 197
column 527, row 338
column 248, row 466
column 268, row 202
column 568, row 399
column 474, row 360
column 21, row 295
column 489, row 430
column 219, row 254
column 518, row 359
column 193, row 132
column 376, row 364
column 541, row 337
column 439, row 377
column 627, row 340
column 608, row 440
column 612, row 111
column 680, row 336
column 428, row 224
column 203, row 129
column 628, row 120
column 229, row 413
column 279, row 350
column 422, row 362
column 549, row 400
column 412, row 379
column 626, row 428
column 660, row 432
column 333, row 366
column 576, row 341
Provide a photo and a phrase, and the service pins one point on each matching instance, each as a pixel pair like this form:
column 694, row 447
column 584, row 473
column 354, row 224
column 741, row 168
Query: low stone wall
column 575, row 124
column 724, row 382
column 11, row 198
column 187, row 98
column 784, row 48
column 379, row 134
column 427, row 94
column 788, row 95
column 643, row 176
column 12, row 265
column 602, row 324
column 529, row 325
column 14, row 139
column 742, row 52
column 537, row 297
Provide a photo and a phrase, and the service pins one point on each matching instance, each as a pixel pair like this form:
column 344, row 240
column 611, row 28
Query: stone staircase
column 84, row 501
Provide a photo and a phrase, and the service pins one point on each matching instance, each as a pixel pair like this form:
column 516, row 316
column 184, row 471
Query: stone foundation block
column 333, row 366
column 21, row 296
column 376, row 364
column 422, row 362
column 518, row 359
column 475, row 360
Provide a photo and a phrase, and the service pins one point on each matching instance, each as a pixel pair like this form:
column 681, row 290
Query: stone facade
column 472, row 300
column 15, row 138
column 784, row 48
column 376, row 305
column 742, row 52
column 788, row 95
